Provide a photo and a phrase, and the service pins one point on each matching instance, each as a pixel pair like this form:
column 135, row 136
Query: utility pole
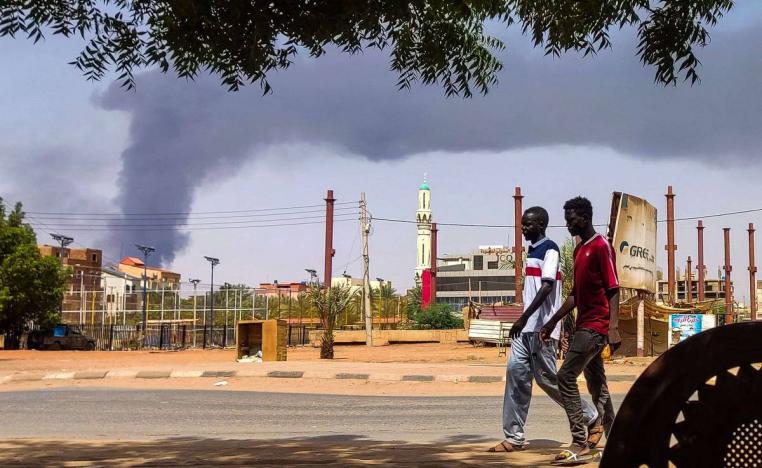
column 329, row 251
column 365, row 231
column 701, row 267
column 752, row 276
column 214, row 262
column 728, row 287
column 146, row 252
column 64, row 241
column 670, row 247
column 195, row 286
column 518, row 249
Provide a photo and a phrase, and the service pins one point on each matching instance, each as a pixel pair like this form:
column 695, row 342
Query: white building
column 122, row 289
column 355, row 284
column 423, row 220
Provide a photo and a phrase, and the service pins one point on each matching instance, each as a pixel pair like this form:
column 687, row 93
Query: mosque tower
column 423, row 220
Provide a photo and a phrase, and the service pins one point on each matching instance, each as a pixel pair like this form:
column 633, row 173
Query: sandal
column 573, row 453
column 506, row 446
column 594, row 434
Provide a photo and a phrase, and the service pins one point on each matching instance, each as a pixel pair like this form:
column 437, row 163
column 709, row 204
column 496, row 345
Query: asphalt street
column 95, row 413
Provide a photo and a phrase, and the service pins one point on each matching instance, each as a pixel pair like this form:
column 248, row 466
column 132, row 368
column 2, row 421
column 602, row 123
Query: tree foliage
column 434, row 42
column 438, row 317
column 31, row 286
column 330, row 303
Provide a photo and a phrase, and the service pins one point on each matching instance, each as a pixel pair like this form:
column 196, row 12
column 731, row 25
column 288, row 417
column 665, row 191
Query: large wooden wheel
column 698, row 405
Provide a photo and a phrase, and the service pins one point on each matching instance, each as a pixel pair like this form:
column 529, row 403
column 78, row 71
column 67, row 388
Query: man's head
column 533, row 223
column 578, row 213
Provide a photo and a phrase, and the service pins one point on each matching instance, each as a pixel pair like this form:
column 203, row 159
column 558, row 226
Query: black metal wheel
column 698, row 405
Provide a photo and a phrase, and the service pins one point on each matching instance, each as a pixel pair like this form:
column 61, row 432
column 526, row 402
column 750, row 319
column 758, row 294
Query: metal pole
column 688, row 282
column 701, row 267
column 329, row 251
column 728, row 268
column 518, row 249
column 433, row 269
column 752, row 276
column 670, row 247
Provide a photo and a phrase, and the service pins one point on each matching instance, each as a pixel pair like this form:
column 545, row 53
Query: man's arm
column 542, row 294
column 567, row 307
column 613, row 297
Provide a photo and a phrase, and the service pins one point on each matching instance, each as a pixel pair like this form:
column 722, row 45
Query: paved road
column 94, row 413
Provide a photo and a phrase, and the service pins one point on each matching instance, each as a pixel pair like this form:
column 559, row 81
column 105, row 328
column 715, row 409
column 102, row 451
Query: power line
column 118, row 217
column 198, row 228
column 182, row 213
column 502, row 226
column 219, row 223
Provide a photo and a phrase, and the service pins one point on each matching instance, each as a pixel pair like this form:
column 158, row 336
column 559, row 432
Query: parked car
column 62, row 336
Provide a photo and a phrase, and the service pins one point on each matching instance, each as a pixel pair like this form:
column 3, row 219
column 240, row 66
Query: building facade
column 486, row 275
column 123, row 291
column 85, row 264
column 423, row 239
column 714, row 289
column 158, row 278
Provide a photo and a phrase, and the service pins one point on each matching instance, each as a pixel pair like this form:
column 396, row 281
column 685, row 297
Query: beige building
column 85, row 264
column 158, row 278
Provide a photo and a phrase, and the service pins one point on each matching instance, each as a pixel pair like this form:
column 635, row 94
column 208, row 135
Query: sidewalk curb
column 262, row 373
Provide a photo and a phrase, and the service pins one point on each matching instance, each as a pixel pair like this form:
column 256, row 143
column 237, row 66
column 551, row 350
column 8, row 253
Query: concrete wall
column 384, row 337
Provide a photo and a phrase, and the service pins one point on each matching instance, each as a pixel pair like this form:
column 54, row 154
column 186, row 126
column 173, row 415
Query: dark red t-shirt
column 594, row 274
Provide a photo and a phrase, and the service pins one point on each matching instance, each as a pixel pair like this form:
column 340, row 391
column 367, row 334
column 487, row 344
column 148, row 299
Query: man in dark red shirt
column 596, row 296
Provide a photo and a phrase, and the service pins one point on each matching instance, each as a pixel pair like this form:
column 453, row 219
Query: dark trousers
column 585, row 356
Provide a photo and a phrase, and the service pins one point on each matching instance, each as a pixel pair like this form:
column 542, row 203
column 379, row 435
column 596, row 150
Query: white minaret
column 423, row 219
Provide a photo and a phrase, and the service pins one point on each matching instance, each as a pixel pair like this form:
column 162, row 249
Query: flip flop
column 505, row 446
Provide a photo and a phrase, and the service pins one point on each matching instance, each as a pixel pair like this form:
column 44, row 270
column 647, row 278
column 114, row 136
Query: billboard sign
column 683, row 326
column 633, row 234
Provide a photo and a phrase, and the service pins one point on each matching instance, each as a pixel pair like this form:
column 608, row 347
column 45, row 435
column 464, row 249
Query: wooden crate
column 268, row 336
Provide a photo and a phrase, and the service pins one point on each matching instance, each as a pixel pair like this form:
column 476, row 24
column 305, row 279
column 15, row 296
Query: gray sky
column 556, row 127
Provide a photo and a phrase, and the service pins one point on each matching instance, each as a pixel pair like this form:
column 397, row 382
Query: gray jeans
column 531, row 359
column 585, row 356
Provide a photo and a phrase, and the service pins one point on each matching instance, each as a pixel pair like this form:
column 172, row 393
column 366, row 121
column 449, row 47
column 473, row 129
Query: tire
column 90, row 346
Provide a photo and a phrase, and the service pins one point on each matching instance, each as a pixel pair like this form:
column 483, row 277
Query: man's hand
column 517, row 327
column 564, row 342
column 547, row 330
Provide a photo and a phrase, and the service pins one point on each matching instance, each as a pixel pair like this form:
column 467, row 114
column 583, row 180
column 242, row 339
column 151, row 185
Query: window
column 492, row 265
column 478, row 262
column 95, row 257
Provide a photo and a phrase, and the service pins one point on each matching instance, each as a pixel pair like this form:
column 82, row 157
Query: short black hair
column 581, row 205
column 541, row 213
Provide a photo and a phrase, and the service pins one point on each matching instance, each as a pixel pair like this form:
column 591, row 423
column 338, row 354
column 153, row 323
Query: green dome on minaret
column 424, row 185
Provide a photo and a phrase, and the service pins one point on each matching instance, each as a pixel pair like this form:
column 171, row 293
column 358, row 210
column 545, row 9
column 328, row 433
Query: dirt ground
column 419, row 353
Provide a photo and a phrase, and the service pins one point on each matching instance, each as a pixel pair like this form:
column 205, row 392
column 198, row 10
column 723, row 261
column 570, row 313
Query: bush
column 438, row 317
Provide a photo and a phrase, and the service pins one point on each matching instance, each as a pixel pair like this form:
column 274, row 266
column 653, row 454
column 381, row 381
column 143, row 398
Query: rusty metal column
column 728, row 268
column 518, row 249
column 433, row 269
column 688, row 282
column 700, row 267
column 670, row 247
column 752, row 276
column 329, row 252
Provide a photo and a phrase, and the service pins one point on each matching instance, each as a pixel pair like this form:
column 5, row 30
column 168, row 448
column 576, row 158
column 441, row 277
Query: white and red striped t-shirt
column 542, row 264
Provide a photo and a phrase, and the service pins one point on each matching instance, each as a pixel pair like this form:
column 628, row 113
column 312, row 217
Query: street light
column 214, row 262
column 195, row 285
column 146, row 252
column 313, row 276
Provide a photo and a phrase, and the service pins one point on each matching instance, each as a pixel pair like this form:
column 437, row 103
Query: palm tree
column 330, row 303
column 567, row 267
